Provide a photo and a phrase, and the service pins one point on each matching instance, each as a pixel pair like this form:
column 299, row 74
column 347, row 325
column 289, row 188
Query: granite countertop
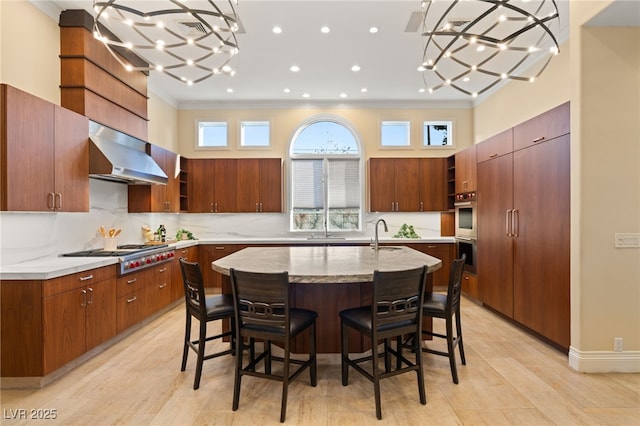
column 53, row 266
column 326, row 264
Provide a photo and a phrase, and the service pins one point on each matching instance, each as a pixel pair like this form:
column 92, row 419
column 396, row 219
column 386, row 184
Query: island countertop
column 326, row 264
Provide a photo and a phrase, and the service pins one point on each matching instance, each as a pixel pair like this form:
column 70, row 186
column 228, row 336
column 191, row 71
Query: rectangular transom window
column 395, row 133
column 254, row 134
column 212, row 134
column 437, row 134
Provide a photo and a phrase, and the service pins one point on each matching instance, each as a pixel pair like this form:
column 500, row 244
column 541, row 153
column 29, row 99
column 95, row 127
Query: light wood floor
column 510, row 379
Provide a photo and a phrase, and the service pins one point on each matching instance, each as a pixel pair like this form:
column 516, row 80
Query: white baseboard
column 604, row 361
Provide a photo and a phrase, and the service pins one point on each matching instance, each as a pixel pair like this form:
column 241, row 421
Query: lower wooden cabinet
column 470, row 285
column 48, row 323
column 143, row 293
column 207, row 254
column 177, row 286
column 444, row 252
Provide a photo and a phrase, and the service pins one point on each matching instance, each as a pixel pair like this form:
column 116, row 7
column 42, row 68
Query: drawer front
column 131, row 309
column 80, row 279
column 133, row 282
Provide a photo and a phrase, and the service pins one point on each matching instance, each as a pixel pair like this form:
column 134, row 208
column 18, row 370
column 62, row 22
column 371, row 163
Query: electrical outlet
column 617, row 344
column 627, row 239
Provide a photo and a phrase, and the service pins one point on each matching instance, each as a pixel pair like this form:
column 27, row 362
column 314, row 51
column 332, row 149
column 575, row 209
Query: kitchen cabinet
column 466, row 172
column 496, row 146
column 45, row 155
column 141, row 294
column 207, row 254
column 407, row 184
column 177, row 285
column 259, row 183
column 393, row 184
column 158, row 198
column 444, row 252
column 212, row 186
column 470, row 285
column 48, row 323
column 523, row 231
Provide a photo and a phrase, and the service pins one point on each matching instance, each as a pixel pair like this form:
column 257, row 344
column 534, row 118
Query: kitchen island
column 327, row 280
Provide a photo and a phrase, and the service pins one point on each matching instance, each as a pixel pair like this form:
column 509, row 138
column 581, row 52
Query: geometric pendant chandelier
column 472, row 45
column 187, row 40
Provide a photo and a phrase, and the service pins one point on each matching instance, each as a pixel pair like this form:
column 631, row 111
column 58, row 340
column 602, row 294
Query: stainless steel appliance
column 132, row 257
column 466, row 215
column 467, row 246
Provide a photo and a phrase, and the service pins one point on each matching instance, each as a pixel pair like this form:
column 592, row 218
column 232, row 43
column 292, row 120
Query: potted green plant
column 183, row 234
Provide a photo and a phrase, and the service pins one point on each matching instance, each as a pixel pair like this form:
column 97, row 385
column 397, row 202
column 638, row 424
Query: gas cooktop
column 123, row 250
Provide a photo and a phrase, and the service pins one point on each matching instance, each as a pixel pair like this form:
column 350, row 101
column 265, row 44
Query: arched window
column 326, row 176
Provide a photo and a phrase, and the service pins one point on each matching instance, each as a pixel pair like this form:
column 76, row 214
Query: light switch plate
column 627, row 240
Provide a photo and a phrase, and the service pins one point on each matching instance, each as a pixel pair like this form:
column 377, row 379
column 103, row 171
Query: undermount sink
column 325, row 238
column 388, row 248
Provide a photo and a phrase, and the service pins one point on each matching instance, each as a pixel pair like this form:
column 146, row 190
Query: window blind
column 343, row 184
column 307, row 185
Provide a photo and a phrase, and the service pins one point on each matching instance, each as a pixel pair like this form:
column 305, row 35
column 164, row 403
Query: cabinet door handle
column 392, row 206
column 84, row 298
column 90, row 301
column 515, row 223
column 397, row 208
column 133, row 299
column 536, row 140
column 215, row 209
column 87, row 278
column 51, row 204
column 58, row 198
column 163, row 285
column 211, row 209
column 219, row 247
column 493, row 155
column 132, row 281
column 421, row 206
column 260, row 207
column 507, row 221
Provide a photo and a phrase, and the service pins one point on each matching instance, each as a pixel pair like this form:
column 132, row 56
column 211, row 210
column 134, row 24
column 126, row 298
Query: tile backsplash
column 27, row 236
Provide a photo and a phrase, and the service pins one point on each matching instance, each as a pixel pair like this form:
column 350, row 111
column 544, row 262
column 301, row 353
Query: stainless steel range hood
column 118, row 157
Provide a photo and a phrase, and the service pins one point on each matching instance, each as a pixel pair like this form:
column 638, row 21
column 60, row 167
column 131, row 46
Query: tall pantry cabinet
column 524, row 224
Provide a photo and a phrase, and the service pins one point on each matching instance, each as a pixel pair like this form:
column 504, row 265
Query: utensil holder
column 110, row 244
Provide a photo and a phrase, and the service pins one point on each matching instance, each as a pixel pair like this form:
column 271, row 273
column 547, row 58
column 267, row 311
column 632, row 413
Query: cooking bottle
column 163, row 234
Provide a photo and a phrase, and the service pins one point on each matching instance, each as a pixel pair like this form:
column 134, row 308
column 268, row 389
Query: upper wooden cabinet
column 158, row 198
column 466, row 170
column 407, row 184
column 551, row 124
column 496, row 146
column 44, row 155
column 212, row 185
column 259, row 185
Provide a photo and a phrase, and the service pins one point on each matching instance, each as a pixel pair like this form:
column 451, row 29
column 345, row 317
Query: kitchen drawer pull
column 432, row 247
column 88, row 277
column 493, row 155
column 219, row 247
column 132, row 281
column 163, row 270
column 163, row 285
column 540, row 139
column 133, row 299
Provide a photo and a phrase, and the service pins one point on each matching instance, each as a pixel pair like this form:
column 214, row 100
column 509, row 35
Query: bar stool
column 395, row 312
column 262, row 312
column 204, row 309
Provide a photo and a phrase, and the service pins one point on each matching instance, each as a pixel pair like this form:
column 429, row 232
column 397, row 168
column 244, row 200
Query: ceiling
column 388, row 59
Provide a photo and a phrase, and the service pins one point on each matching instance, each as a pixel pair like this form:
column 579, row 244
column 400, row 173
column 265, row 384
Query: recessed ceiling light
column 343, row 95
column 363, row 90
column 277, row 30
column 229, row 90
column 355, row 68
column 287, row 90
column 324, row 30
column 306, row 95
column 373, row 30
column 421, row 90
column 294, row 68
